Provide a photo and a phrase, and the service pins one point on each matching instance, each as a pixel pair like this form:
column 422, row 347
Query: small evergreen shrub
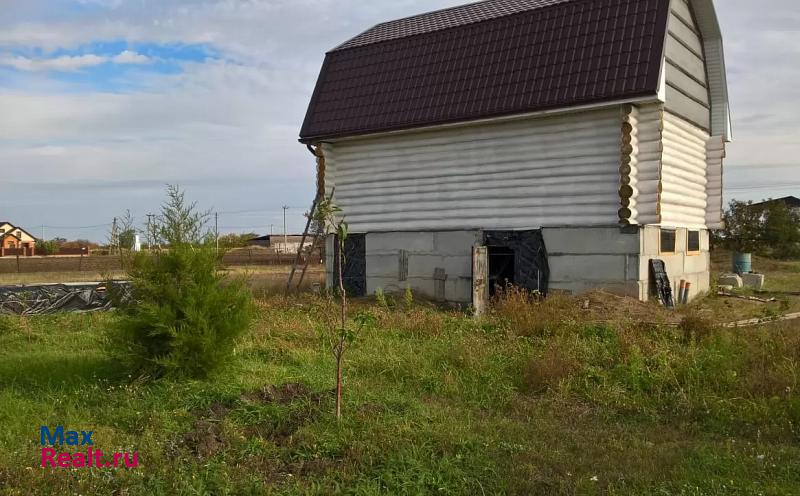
column 183, row 317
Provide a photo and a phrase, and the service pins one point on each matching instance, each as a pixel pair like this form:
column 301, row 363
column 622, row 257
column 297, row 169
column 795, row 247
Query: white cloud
column 129, row 57
column 63, row 63
column 67, row 63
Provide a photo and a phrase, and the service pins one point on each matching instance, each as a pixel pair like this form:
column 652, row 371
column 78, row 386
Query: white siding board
column 685, row 59
column 679, row 79
column 687, row 108
column 681, row 8
column 545, row 171
column 685, row 32
column 686, row 92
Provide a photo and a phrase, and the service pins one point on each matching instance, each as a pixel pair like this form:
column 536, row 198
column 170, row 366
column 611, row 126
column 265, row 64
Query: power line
column 764, row 186
column 255, row 211
column 78, row 227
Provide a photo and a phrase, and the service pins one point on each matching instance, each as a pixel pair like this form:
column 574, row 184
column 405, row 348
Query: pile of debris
column 54, row 298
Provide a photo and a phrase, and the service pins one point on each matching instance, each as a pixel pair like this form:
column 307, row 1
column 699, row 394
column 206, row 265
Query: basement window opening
column 501, row 268
column 693, row 242
column 668, row 237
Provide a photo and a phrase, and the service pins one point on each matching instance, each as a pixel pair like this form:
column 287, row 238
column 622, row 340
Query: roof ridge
column 353, row 43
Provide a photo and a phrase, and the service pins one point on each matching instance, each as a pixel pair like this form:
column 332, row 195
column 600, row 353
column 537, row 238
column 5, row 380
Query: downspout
column 320, row 155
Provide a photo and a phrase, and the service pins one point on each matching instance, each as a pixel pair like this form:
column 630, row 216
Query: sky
column 103, row 102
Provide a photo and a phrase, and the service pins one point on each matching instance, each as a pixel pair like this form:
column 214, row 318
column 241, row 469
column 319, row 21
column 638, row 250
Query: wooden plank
column 480, row 279
column 767, row 320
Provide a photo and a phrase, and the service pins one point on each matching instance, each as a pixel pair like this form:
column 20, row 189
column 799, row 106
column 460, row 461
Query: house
column 8, row 240
column 552, row 144
column 14, row 238
column 791, row 202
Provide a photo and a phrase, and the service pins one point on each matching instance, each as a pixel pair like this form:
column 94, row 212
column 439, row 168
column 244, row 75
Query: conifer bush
column 183, row 317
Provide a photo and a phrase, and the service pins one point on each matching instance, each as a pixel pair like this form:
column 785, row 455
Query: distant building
column 791, row 202
column 13, row 238
column 280, row 243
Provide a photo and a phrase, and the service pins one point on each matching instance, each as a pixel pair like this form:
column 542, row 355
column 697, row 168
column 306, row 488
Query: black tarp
column 55, row 298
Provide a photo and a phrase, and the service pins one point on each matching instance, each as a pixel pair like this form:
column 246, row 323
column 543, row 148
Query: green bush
column 183, row 321
column 183, row 317
column 47, row 247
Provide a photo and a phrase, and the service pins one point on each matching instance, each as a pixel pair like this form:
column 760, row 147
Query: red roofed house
column 13, row 238
column 575, row 140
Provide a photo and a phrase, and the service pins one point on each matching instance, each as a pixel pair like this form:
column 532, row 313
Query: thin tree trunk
column 339, row 383
column 341, row 344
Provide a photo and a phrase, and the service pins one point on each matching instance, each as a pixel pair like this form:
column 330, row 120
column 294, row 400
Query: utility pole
column 114, row 236
column 42, row 232
column 149, row 231
column 285, row 234
column 216, row 229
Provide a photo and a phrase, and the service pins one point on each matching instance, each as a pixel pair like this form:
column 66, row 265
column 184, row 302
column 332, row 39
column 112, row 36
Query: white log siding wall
column 553, row 170
column 646, row 126
column 684, row 197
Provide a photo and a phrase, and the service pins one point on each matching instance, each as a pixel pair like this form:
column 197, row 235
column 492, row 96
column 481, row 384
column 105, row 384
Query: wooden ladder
column 314, row 229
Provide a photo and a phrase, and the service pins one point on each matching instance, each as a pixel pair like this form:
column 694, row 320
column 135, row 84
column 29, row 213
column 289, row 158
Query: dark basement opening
column 501, row 268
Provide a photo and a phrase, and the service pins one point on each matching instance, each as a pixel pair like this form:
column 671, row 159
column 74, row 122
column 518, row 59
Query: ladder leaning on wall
column 316, row 230
column 314, row 227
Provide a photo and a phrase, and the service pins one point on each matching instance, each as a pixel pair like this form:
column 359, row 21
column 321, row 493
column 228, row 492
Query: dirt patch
column 306, row 407
column 604, row 306
column 205, row 439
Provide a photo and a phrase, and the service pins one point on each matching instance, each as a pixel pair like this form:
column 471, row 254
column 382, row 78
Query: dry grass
column 696, row 328
column 545, row 372
column 30, row 278
column 530, row 315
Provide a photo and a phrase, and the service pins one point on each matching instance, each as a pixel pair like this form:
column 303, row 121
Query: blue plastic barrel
column 742, row 263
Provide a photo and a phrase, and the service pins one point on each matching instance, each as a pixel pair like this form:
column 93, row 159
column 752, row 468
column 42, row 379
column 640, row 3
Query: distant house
column 791, row 202
column 562, row 143
column 280, row 243
column 13, row 238
column 8, row 240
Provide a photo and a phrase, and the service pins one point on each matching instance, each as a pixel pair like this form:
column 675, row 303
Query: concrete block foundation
column 438, row 265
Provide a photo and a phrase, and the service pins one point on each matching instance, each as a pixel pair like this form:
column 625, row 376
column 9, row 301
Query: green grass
column 533, row 399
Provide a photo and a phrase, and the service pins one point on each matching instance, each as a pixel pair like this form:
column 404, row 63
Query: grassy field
column 536, row 398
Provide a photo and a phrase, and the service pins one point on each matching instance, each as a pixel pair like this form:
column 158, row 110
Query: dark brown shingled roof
column 443, row 19
column 488, row 59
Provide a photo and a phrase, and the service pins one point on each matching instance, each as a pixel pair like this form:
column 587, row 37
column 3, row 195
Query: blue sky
column 105, row 101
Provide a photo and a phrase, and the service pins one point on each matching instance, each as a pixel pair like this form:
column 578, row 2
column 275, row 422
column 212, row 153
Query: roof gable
column 441, row 68
column 14, row 229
